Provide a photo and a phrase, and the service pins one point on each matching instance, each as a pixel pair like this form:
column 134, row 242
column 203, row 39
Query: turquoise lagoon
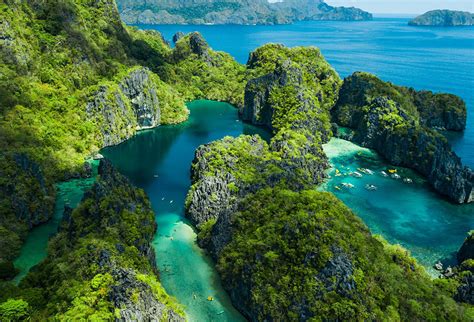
column 159, row 161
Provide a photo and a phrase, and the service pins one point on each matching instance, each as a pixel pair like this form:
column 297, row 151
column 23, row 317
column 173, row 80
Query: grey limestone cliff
column 383, row 118
column 121, row 110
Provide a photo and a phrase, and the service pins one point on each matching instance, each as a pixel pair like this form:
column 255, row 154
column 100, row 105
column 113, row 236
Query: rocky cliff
column 286, row 255
column 443, row 18
column 291, row 96
column 104, row 246
column 385, row 119
column 122, row 109
column 73, row 81
column 466, row 252
column 463, row 274
column 243, row 12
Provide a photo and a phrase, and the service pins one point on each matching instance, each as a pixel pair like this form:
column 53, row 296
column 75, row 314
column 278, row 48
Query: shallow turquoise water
column 433, row 58
column 34, row 250
column 159, row 161
column 412, row 215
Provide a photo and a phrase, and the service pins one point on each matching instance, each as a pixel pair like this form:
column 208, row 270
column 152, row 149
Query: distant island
column 444, row 18
column 240, row 12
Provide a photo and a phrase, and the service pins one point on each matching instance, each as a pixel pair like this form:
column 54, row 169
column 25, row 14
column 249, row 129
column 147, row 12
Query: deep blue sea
column 433, row 58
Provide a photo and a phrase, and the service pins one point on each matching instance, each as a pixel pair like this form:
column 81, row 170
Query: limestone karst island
column 234, row 160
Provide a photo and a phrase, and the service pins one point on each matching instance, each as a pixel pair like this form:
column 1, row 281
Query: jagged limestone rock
column 386, row 119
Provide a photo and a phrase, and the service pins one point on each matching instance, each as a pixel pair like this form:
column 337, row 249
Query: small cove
column 410, row 214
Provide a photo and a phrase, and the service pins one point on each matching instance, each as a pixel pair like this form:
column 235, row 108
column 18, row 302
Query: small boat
column 438, row 266
column 395, row 176
column 163, row 198
column 338, row 173
column 337, row 187
column 366, row 171
column 384, row 174
column 408, row 180
column 347, row 185
column 370, row 187
column 156, row 176
column 392, row 171
column 210, row 298
column 171, row 201
column 356, row 174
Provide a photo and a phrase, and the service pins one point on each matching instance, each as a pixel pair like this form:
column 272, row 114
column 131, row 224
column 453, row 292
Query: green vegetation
column 445, row 111
column 303, row 255
column 443, row 18
column 196, row 71
column 401, row 124
column 97, row 266
column 233, row 12
column 62, row 69
column 13, row 310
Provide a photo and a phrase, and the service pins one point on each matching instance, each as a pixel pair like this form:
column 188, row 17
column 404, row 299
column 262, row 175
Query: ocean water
column 159, row 161
column 432, row 58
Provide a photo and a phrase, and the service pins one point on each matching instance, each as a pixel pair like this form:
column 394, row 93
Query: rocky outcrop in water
column 292, row 98
column 122, row 110
column 215, row 192
column 391, row 125
column 440, row 111
column 443, row 18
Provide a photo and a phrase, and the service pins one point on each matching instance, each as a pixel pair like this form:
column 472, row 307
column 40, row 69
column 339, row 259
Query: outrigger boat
column 356, row 174
column 347, row 185
column 366, row 171
column 370, row 187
